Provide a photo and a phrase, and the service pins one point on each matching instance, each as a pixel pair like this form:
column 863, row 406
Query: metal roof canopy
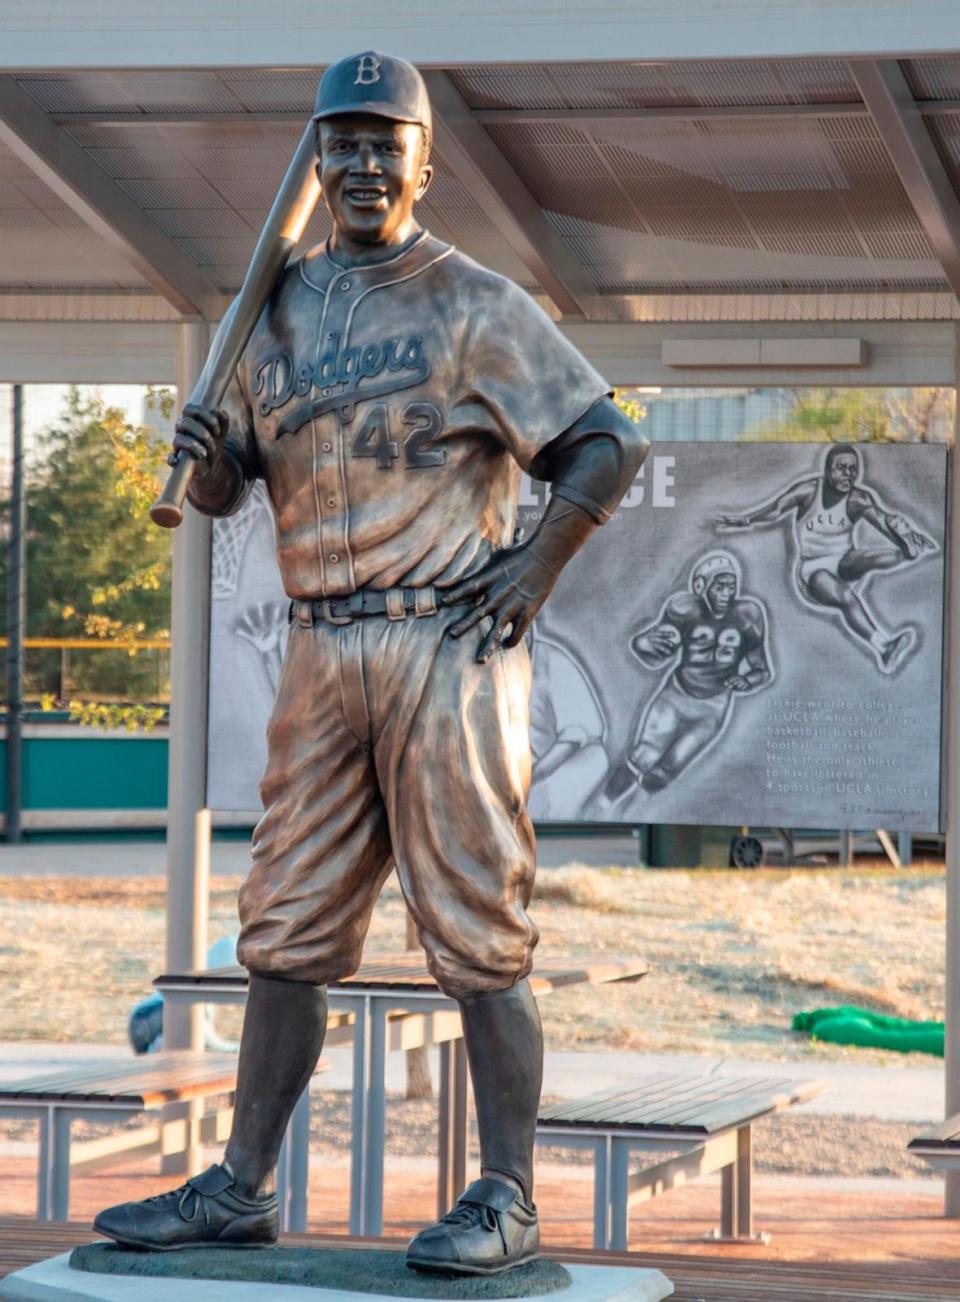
column 652, row 171
column 653, row 164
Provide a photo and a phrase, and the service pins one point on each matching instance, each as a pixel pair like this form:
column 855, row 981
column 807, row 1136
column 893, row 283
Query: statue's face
column 843, row 471
column 372, row 172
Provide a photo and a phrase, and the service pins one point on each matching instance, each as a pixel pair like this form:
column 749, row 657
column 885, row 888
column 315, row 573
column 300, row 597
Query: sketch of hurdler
column 567, row 730
column 832, row 569
column 715, row 641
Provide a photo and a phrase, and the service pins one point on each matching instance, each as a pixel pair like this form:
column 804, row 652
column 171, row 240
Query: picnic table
column 395, row 1004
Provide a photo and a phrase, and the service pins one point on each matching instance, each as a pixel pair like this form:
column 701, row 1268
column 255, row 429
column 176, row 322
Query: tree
column 96, row 567
column 920, row 415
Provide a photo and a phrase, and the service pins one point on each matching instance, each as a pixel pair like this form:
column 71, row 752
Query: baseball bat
column 295, row 201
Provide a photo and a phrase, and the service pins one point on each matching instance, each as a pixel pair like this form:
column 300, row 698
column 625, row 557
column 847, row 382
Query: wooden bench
column 702, row 1121
column 120, row 1088
column 939, row 1146
column 114, row 1091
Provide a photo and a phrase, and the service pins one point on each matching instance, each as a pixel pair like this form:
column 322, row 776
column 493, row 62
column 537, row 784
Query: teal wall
column 91, row 772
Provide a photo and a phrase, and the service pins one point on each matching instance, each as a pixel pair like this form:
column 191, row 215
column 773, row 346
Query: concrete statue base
column 101, row 1272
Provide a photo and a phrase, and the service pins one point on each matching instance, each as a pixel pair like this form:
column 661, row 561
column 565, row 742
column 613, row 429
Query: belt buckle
column 330, row 617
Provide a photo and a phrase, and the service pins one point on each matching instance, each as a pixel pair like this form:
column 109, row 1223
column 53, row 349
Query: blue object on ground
column 145, row 1027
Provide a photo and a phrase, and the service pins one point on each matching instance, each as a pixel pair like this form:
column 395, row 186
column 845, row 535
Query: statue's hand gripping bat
column 295, row 201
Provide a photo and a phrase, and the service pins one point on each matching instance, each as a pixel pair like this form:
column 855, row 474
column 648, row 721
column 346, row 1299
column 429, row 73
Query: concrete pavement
column 142, row 858
column 891, row 1093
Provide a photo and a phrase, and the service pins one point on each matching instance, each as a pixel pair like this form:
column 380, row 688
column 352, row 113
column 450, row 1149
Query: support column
column 16, row 618
column 951, row 752
column 188, row 819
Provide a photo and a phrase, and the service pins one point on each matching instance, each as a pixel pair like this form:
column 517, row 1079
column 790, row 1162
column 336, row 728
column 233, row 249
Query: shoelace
column 471, row 1214
column 188, row 1199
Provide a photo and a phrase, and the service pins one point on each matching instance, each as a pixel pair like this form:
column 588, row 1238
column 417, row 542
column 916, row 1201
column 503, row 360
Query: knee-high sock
column 283, row 1030
column 505, row 1051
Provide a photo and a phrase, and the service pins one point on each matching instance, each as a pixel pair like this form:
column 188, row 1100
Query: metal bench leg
column 60, row 1192
column 358, row 1119
column 744, row 1168
column 452, row 1148
column 298, row 1163
column 728, row 1201
column 45, row 1181
column 602, row 1164
column 736, row 1207
column 619, row 1193
column 460, row 1076
column 283, row 1180
column 376, row 1122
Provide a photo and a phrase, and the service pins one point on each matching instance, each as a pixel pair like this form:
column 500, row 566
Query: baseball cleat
column 203, row 1213
column 489, row 1230
column 897, row 649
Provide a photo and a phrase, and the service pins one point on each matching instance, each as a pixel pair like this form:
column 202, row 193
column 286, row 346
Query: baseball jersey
column 822, row 532
column 711, row 646
column 390, row 409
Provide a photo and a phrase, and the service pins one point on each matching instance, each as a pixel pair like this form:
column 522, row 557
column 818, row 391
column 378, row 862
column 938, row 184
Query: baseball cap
column 375, row 83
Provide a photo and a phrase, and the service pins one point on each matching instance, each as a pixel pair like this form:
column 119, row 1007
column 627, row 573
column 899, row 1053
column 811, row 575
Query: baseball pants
column 390, row 746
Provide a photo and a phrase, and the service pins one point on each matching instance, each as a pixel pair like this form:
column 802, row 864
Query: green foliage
column 133, row 718
column 923, row 415
column 96, row 567
column 629, row 406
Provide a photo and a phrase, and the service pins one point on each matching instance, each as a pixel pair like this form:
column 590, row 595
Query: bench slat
column 668, row 1098
column 158, row 1076
column 709, row 1104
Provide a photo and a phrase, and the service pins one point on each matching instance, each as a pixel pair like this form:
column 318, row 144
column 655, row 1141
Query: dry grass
column 732, row 955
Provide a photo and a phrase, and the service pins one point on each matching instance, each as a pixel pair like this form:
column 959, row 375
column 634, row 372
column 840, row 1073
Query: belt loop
column 424, row 602
column 395, row 604
column 305, row 614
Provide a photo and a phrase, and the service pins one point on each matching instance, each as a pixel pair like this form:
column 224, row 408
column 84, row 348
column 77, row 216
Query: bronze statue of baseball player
column 390, row 395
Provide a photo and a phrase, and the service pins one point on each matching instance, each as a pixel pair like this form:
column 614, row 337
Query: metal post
column 188, row 819
column 905, row 849
column 951, row 728
column 845, row 850
column 16, row 620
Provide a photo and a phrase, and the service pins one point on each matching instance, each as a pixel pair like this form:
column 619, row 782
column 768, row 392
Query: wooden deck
column 707, row 1277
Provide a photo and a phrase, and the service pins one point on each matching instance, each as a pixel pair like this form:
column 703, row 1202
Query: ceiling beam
column 77, row 181
column 501, row 194
column 578, row 116
column 898, row 118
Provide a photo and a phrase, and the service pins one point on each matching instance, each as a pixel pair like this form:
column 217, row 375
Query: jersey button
column 327, row 447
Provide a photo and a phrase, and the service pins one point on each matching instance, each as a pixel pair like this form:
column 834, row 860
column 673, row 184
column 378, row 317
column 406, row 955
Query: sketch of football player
column 715, row 642
column 567, row 730
column 833, row 564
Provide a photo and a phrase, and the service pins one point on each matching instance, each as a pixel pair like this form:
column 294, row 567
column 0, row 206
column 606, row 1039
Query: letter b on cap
column 368, row 70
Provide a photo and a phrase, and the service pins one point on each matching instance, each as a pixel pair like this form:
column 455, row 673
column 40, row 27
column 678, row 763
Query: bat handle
column 167, row 510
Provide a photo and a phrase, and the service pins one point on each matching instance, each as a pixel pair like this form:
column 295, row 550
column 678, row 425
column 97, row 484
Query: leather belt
column 395, row 603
